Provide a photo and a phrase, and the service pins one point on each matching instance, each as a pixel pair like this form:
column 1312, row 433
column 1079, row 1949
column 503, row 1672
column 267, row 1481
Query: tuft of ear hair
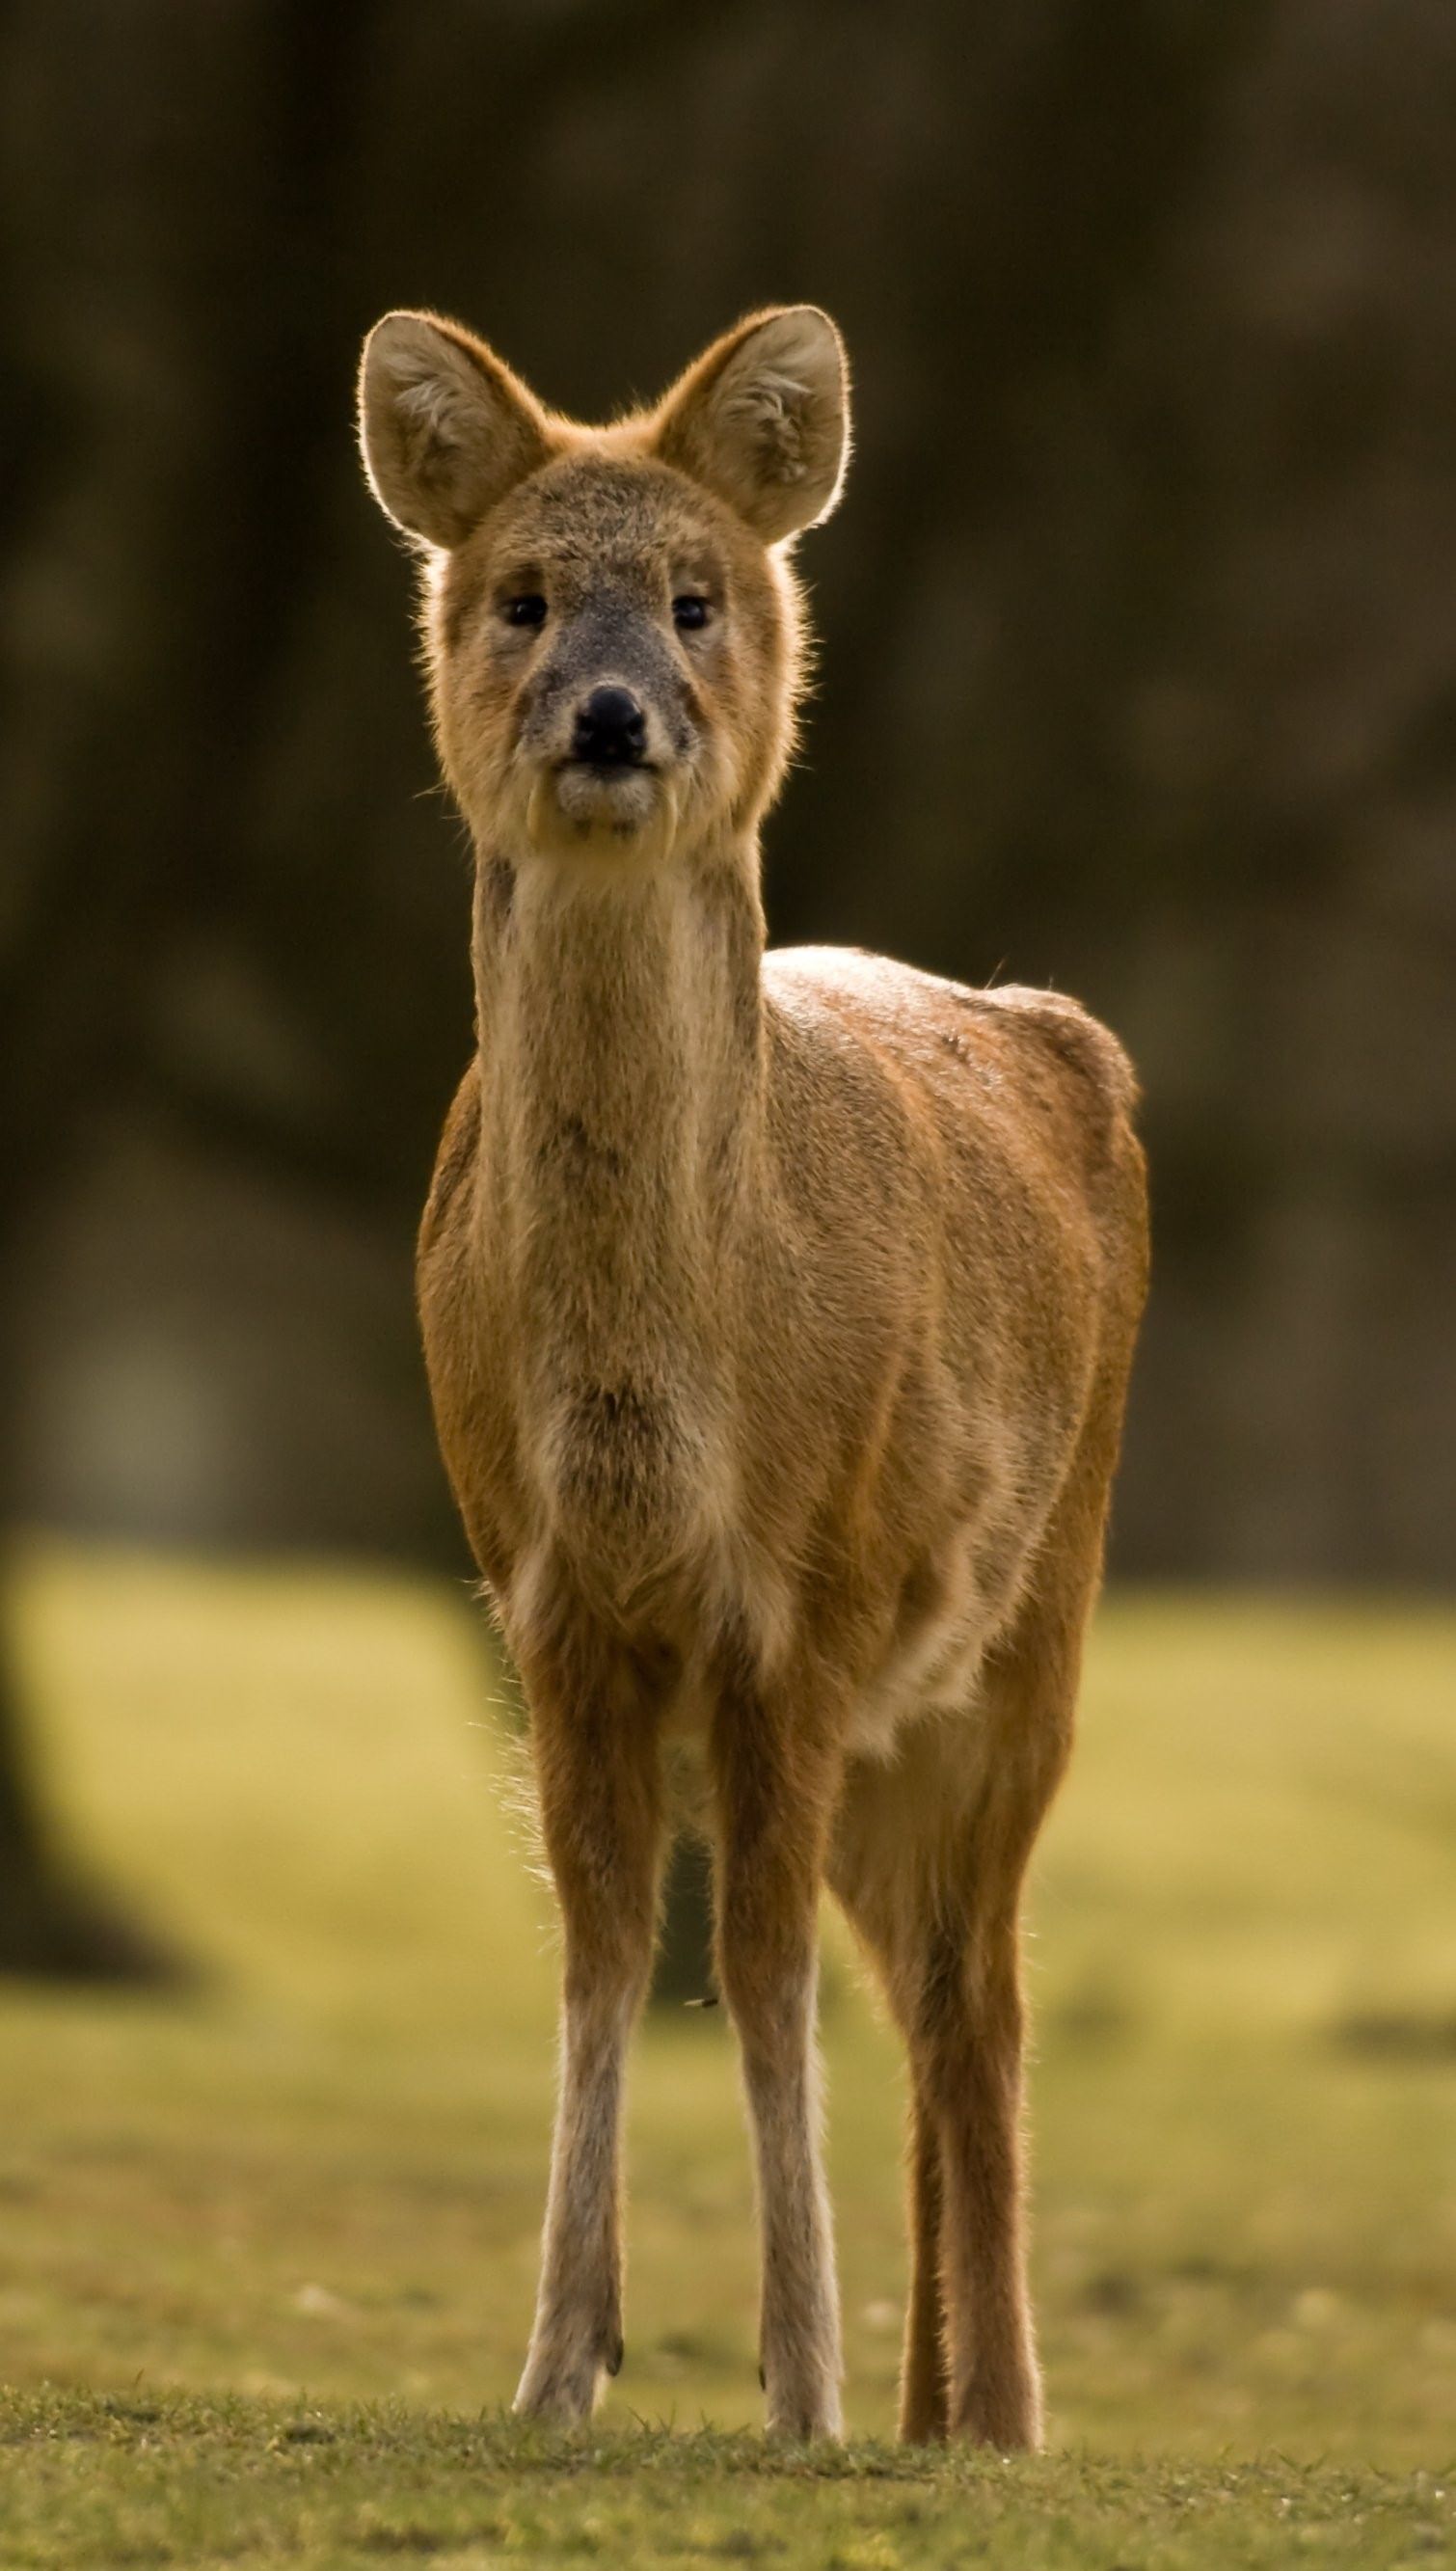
column 445, row 428
column 762, row 420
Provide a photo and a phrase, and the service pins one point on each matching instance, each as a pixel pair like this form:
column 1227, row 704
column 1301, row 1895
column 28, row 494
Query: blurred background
column 1138, row 679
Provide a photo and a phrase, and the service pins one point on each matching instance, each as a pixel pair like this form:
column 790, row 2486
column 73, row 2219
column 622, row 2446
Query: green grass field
column 266, row 2255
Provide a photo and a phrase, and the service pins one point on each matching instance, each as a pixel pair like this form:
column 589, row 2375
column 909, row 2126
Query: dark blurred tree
column 1137, row 672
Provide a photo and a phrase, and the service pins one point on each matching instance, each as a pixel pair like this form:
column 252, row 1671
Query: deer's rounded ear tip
column 406, row 332
column 399, row 325
column 815, row 316
column 375, row 342
column 812, row 314
column 810, row 323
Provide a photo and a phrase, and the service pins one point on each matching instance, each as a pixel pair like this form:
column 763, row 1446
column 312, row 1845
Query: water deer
column 777, row 1309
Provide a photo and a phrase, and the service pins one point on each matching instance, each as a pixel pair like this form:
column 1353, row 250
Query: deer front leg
column 596, row 1753
column 774, row 1805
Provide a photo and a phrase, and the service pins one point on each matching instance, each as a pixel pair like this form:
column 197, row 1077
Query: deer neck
column 622, row 1068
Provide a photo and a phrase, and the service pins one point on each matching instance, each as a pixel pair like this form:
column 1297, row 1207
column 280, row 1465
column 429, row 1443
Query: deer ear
column 445, row 428
column 762, row 420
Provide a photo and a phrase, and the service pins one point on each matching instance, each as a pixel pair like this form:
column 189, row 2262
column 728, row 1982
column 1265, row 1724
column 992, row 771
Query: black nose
column 611, row 729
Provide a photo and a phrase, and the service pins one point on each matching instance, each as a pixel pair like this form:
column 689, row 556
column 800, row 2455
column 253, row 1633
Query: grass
column 266, row 2258
column 192, row 2482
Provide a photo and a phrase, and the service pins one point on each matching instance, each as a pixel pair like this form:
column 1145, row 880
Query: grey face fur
column 612, row 632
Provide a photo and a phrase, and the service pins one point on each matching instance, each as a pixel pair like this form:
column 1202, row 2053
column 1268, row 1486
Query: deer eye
column 530, row 609
column 689, row 612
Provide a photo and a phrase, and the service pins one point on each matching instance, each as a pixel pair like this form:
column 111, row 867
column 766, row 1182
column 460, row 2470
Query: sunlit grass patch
column 88, row 2483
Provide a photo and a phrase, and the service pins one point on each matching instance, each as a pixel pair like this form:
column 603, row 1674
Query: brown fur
column 779, row 1311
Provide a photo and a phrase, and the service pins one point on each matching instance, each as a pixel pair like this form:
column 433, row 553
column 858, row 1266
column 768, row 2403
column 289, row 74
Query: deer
column 777, row 1311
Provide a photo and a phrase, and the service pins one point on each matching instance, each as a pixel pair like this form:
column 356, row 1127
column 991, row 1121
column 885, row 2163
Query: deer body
column 777, row 1311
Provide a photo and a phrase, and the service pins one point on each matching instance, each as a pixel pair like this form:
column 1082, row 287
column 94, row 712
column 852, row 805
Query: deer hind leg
column 908, row 1871
column 924, row 2380
column 969, row 2073
column 595, row 1743
column 969, row 2042
column 928, row 1863
column 886, row 1866
column 775, row 1795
